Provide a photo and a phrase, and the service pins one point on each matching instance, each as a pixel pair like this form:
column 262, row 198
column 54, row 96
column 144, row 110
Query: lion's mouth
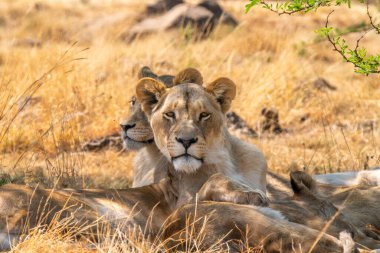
column 187, row 155
column 149, row 141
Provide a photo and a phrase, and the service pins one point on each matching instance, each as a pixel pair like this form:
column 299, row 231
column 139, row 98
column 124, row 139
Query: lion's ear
column 146, row 72
column 302, row 182
column 148, row 92
column 224, row 89
column 189, row 75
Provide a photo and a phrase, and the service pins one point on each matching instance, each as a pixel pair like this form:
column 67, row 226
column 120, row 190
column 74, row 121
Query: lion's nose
column 125, row 127
column 187, row 142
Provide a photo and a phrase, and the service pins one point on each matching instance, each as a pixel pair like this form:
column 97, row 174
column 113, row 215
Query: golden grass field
column 66, row 77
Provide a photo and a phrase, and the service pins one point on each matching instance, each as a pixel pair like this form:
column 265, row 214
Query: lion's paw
column 254, row 197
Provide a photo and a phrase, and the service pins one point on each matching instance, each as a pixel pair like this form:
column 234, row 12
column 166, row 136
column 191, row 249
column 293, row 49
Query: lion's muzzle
column 186, row 143
column 136, row 136
column 186, row 149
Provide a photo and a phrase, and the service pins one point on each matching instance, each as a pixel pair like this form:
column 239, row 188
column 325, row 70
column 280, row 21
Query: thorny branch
column 363, row 62
column 306, row 8
column 372, row 21
column 334, row 41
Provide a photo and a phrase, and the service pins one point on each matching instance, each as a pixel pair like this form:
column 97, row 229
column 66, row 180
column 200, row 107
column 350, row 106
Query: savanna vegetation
column 67, row 75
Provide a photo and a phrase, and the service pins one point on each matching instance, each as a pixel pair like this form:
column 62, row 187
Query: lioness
column 23, row 208
column 242, row 227
column 164, row 195
column 150, row 166
column 189, row 127
column 220, row 181
column 351, row 178
column 304, row 208
column 358, row 203
column 309, row 207
column 89, row 209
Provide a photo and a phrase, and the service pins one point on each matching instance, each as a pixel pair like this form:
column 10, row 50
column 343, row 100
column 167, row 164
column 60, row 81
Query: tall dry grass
column 71, row 234
column 50, row 103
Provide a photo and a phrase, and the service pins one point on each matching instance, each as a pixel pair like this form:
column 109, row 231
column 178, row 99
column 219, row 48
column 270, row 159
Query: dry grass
column 85, row 75
column 71, row 235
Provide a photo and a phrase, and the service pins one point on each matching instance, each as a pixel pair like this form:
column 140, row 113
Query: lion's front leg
column 224, row 189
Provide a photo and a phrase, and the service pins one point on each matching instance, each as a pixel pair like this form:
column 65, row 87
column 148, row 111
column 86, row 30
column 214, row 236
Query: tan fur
column 136, row 131
column 117, row 207
column 147, row 72
column 279, row 227
column 225, row 197
column 314, row 203
column 150, row 165
column 224, row 90
column 185, row 104
column 92, row 211
column 288, row 222
column 124, row 209
column 309, row 207
column 234, row 222
column 189, row 75
column 359, row 205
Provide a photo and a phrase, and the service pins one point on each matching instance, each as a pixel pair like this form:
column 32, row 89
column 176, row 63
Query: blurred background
column 68, row 70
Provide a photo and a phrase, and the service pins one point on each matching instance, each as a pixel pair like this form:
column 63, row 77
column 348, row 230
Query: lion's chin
column 132, row 144
column 187, row 164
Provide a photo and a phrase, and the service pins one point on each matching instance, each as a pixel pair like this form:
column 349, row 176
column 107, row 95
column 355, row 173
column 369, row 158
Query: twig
column 355, row 51
column 305, row 8
column 331, row 40
column 371, row 20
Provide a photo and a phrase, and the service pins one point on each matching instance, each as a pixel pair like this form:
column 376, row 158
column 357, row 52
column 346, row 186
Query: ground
column 67, row 77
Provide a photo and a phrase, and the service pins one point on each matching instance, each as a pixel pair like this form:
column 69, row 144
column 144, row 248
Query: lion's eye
column 132, row 102
column 169, row 115
column 204, row 116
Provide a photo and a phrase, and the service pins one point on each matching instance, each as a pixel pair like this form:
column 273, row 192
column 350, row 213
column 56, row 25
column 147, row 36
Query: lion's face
column 187, row 120
column 136, row 130
column 187, row 124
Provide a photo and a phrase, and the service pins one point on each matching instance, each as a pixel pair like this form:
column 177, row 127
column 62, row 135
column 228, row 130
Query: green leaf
column 324, row 31
column 362, row 52
column 251, row 3
column 363, row 63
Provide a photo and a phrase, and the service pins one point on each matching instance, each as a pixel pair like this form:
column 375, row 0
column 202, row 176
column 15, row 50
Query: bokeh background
column 69, row 68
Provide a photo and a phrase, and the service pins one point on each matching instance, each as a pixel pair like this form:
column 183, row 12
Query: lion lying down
column 352, row 178
column 242, row 162
column 151, row 165
column 149, row 154
column 290, row 224
column 305, row 207
column 203, row 159
column 200, row 150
